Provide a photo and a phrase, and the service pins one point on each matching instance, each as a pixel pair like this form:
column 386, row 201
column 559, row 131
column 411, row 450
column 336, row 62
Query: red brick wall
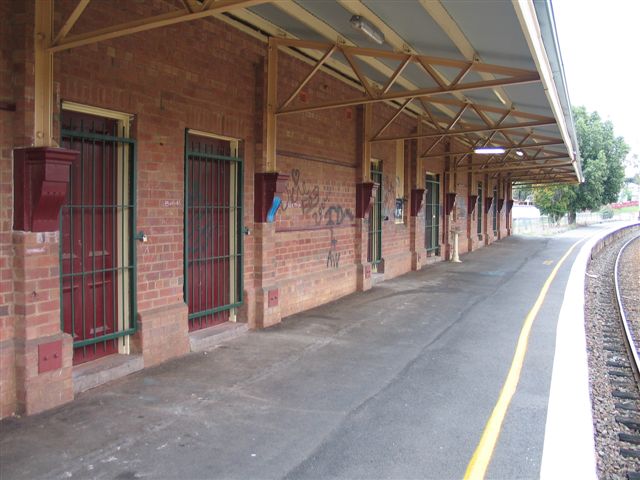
column 326, row 134
column 37, row 314
column 315, row 233
column 209, row 77
column 11, row 56
column 206, row 81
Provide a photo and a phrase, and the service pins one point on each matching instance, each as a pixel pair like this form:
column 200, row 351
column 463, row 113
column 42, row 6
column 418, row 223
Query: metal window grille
column 374, row 252
column 213, row 230
column 479, row 209
column 97, row 225
column 432, row 214
column 495, row 210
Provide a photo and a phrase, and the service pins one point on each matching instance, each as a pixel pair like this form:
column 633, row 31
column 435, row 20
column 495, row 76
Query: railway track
column 614, row 363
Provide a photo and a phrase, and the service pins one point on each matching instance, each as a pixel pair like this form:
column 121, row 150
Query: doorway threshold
column 207, row 338
column 98, row 372
column 376, row 278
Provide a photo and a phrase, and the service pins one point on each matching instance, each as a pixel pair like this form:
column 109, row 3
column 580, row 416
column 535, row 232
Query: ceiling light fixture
column 520, row 153
column 362, row 24
column 489, row 150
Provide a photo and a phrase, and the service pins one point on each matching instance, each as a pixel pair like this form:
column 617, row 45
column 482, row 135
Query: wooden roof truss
column 448, row 80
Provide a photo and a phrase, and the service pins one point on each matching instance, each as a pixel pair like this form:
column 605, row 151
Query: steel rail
column 628, row 338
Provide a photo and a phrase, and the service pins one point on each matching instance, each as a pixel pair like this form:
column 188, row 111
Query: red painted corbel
column 509, row 206
column 365, row 195
column 488, row 201
column 269, row 187
column 450, row 201
column 417, row 199
column 472, row 199
column 41, row 178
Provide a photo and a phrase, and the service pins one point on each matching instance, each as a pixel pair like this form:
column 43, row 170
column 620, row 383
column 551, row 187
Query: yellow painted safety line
column 479, row 463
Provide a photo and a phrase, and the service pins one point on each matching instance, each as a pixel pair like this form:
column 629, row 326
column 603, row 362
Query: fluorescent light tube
column 489, row 150
column 367, row 28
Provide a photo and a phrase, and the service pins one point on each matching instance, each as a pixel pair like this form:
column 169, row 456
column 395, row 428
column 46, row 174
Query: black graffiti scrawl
column 299, row 194
column 333, row 257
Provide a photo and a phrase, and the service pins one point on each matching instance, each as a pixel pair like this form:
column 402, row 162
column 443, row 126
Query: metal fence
column 544, row 225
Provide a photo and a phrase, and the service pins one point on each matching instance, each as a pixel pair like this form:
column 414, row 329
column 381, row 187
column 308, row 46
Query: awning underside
column 473, row 71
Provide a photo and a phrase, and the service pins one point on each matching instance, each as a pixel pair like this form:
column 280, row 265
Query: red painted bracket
column 488, row 201
column 269, row 187
column 417, row 199
column 472, row 199
column 509, row 206
column 41, row 178
column 450, row 201
column 365, row 194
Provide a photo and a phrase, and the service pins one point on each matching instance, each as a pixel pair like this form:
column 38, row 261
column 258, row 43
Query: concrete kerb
column 569, row 449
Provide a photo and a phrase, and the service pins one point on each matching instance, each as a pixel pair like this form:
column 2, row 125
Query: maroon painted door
column 208, row 230
column 89, row 238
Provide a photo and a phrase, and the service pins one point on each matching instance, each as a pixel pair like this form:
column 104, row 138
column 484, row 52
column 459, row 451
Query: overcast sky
column 600, row 42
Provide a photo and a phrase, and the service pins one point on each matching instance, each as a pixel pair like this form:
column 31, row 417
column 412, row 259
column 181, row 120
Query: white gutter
column 526, row 13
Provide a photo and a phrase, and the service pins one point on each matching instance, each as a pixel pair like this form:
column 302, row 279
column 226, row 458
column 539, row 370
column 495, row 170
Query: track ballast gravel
column 609, row 379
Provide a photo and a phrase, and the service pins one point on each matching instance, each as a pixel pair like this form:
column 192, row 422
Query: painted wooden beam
column 43, row 73
column 149, row 23
column 71, row 21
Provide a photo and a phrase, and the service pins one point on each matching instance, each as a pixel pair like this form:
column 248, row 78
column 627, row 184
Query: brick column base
column 267, row 294
column 268, row 307
column 38, row 391
column 43, row 353
column 363, row 280
column 416, row 242
column 163, row 333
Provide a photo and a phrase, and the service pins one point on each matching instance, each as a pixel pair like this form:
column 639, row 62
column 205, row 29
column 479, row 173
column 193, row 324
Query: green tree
column 555, row 201
column 602, row 155
column 521, row 192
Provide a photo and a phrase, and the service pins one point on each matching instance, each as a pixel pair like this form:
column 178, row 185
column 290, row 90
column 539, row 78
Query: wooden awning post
column 271, row 107
column 43, row 72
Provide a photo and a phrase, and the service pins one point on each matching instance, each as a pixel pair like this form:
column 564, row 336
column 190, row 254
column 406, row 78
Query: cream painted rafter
column 443, row 133
column 537, row 176
column 509, row 76
column 399, row 44
column 406, row 97
column 441, row 17
column 471, row 129
column 493, row 133
column 392, row 38
column 508, row 148
column 524, row 168
column 143, row 24
column 353, row 70
column 71, row 21
column 515, row 162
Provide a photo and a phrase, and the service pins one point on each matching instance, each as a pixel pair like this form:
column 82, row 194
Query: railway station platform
column 395, row 382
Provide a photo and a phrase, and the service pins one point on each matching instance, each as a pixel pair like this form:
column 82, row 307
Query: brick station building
column 176, row 170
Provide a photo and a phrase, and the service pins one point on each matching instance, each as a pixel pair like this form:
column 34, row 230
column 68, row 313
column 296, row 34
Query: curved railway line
column 613, row 327
column 628, row 252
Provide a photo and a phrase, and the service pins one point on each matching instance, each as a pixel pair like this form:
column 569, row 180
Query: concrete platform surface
column 397, row 382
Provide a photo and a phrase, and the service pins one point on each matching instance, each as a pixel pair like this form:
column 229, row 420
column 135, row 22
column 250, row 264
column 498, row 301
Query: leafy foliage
column 555, row 201
column 602, row 156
